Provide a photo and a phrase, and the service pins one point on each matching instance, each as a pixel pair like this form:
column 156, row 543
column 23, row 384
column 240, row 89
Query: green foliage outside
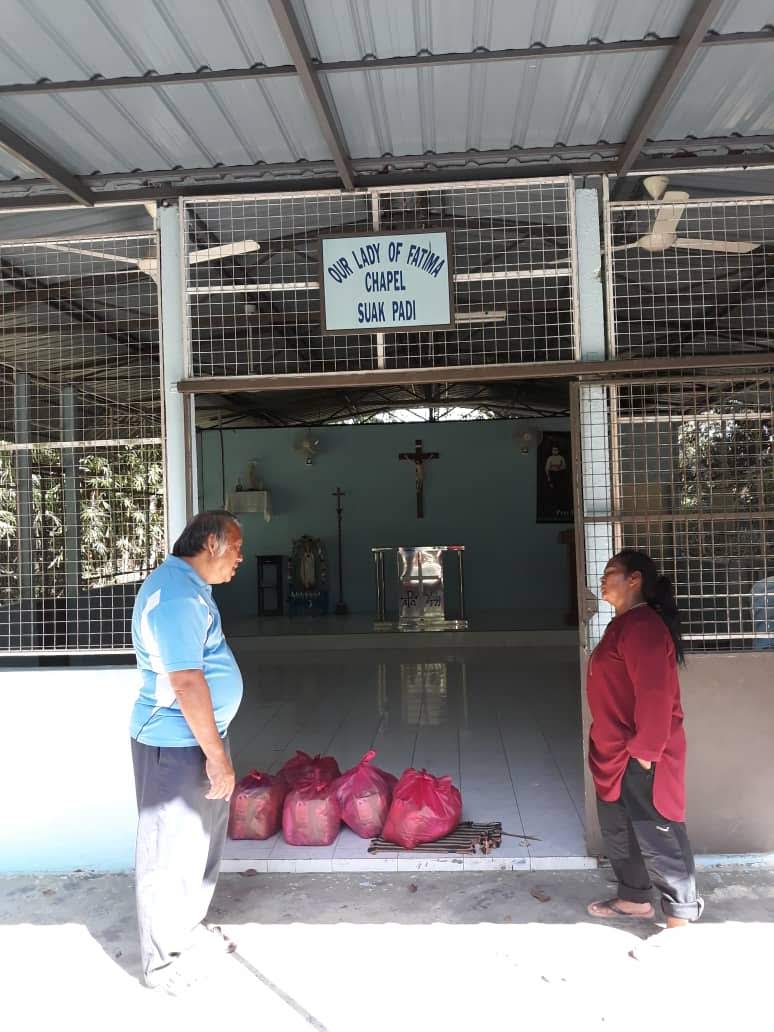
column 725, row 465
column 121, row 515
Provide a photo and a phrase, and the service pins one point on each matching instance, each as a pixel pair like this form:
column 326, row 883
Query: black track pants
column 647, row 850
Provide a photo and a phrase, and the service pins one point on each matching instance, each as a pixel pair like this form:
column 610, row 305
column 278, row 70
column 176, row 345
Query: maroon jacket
column 634, row 697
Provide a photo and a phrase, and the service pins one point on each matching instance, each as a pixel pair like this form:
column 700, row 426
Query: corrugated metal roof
column 567, row 101
column 524, row 104
column 728, row 90
column 403, row 27
column 192, row 126
column 195, row 126
column 11, row 169
column 81, row 38
column 743, row 15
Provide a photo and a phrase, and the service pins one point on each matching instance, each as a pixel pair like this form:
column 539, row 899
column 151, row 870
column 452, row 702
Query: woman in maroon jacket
column 637, row 745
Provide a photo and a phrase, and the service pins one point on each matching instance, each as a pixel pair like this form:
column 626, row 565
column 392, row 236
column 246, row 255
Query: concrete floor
column 346, row 953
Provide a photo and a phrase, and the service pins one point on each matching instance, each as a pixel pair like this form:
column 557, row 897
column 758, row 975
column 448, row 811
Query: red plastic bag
column 303, row 765
column 424, row 808
column 364, row 793
column 256, row 807
column 311, row 814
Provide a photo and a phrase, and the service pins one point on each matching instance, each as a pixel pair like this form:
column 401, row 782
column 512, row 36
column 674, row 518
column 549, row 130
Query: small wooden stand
column 269, row 578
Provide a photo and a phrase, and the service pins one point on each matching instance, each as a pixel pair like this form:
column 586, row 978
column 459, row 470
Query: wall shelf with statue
column 241, row 502
column 254, row 498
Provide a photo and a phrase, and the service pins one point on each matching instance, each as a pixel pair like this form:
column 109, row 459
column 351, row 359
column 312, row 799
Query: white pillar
column 593, row 415
column 174, row 364
column 599, row 542
column 591, row 304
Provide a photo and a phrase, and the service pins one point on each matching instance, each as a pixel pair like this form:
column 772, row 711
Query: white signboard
column 385, row 281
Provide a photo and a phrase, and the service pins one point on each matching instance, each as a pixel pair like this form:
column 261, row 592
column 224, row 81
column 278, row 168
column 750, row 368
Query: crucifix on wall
column 419, row 458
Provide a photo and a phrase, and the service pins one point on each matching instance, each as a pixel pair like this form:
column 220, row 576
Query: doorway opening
column 496, row 705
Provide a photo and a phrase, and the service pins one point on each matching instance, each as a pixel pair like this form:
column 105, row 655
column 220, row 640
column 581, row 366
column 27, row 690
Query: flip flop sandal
column 616, row 912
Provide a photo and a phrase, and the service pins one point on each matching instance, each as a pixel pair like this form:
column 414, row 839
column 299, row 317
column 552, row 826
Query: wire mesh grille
column 691, row 278
column 684, row 469
column 81, row 470
column 253, row 297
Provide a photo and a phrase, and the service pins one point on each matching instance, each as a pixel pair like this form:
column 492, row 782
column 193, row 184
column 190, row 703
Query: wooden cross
column 341, row 606
column 419, row 457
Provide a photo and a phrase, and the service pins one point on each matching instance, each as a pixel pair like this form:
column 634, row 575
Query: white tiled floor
column 504, row 723
column 534, row 628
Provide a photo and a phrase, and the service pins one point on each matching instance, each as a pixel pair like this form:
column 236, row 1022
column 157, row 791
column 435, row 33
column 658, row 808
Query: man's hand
column 221, row 774
column 645, row 764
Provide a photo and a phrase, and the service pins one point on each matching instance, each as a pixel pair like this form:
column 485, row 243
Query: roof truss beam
column 668, row 156
column 536, row 52
column 291, row 33
column 523, row 155
column 698, row 21
column 507, row 371
column 48, row 167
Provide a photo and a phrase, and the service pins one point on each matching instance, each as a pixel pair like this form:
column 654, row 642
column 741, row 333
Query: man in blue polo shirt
column 190, row 691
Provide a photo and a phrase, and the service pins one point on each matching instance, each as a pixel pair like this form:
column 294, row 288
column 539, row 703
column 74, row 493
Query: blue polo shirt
column 176, row 626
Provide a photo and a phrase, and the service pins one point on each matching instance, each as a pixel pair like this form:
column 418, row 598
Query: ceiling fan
column 663, row 232
column 149, row 264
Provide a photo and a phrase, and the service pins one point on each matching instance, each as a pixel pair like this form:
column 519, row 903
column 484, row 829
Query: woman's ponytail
column 658, row 592
column 665, row 604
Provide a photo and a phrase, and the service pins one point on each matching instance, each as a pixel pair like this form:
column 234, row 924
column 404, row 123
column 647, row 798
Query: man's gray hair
column 194, row 538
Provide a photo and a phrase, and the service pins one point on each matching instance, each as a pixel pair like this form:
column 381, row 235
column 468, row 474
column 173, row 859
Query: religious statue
column 554, row 482
column 307, row 567
column 308, row 577
column 419, row 457
column 254, row 483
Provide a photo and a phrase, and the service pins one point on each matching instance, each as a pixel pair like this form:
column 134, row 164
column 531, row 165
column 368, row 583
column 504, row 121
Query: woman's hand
column 645, row 764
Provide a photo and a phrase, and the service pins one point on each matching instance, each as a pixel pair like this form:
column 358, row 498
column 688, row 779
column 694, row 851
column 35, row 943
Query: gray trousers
column 180, row 837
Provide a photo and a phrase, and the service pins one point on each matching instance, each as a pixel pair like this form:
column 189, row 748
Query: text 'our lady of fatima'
column 386, row 281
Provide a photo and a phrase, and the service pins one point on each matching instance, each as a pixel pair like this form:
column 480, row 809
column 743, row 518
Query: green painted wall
column 480, row 493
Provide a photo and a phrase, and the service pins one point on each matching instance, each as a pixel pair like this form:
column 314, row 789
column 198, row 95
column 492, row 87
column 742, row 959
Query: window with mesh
column 253, row 293
column 684, row 469
column 81, row 471
column 690, row 277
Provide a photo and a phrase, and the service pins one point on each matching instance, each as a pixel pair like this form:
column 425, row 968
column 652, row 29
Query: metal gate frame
column 382, row 376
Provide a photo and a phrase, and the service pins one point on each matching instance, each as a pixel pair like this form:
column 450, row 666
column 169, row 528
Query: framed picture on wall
column 554, row 478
